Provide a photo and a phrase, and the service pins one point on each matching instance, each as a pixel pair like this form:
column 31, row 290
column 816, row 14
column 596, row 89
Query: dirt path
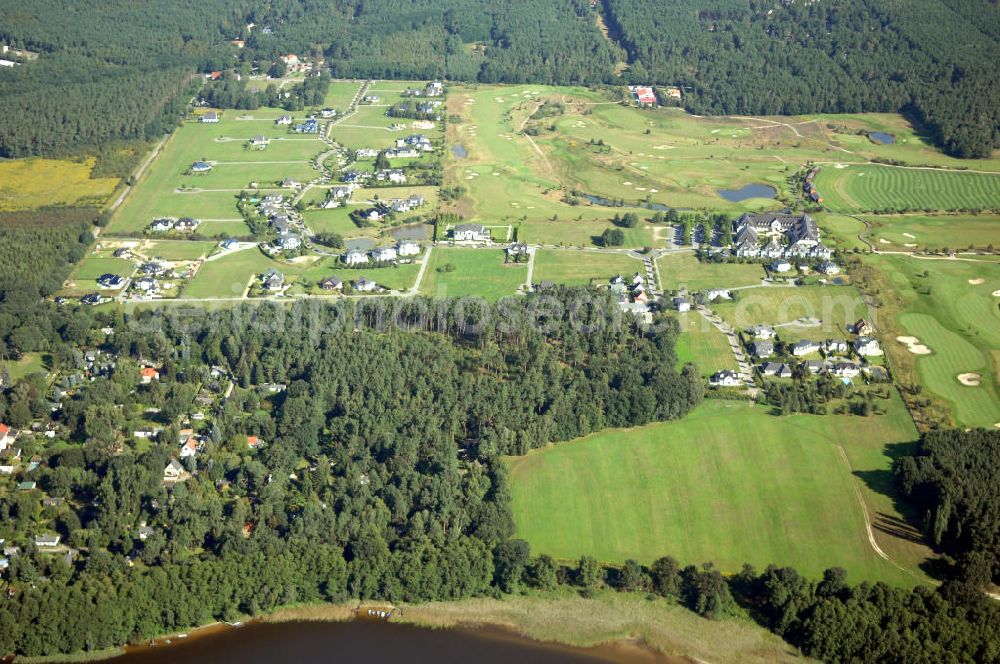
column 420, row 274
column 520, row 130
column 138, row 173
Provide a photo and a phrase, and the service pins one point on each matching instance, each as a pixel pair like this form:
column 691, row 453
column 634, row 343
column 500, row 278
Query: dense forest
column 953, row 477
column 109, row 71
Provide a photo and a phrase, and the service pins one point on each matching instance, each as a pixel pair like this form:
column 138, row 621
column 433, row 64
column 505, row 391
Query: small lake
column 459, row 151
column 372, row 641
column 881, row 137
column 749, row 191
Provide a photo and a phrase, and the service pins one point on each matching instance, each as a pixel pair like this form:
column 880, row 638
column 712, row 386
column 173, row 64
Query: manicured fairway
column 729, row 484
column 567, row 266
column 952, row 231
column 478, row 272
column 872, row 187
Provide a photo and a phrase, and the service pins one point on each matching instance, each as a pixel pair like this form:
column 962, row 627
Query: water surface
column 459, row 151
column 882, row 137
column 749, row 191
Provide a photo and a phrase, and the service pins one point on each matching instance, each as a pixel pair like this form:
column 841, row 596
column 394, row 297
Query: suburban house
column 762, row 349
column 718, row 294
column 189, row 447
column 814, row 366
column 7, row 436
column 272, row 280
column 372, row 99
column 148, row 375
column 289, row 183
column 863, row 328
column 828, row 268
column 201, row 167
column 517, row 249
column 186, row 224
column 776, row 369
column 259, row 142
column 365, row 153
column 289, row 242
column 407, row 248
column 643, row 95
column 470, row 233
column 394, row 175
column 122, row 252
column 332, row 283
column 285, row 120
column 363, row 285
column 108, row 280
column 866, row 346
column 832, row 346
column 781, row 265
column 724, row 378
column 355, row 257
column 209, row 118
column 383, row 254
column 145, row 284
column 846, row 369
column 254, row 442
column 328, row 113
column 310, row 126
column 91, row 299
column 682, row 304
column 804, row 347
column 229, row 245
column 161, row 225
column 173, row 471
column 762, row 332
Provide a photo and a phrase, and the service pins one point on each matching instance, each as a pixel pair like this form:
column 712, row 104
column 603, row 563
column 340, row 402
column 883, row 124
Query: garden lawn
column 478, row 272
column 729, row 484
column 566, row 266
column 702, row 343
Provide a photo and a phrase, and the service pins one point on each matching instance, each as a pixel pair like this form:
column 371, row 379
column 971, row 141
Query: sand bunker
column 663, row 147
column 996, row 293
column 840, row 165
column 884, row 241
column 969, row 379
column 910, row 244
column 914, row 346
column 627, row 184
column 910, row 235
column 977, row 282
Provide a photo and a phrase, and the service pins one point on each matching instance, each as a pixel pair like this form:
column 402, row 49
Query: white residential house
column 470, row 233
column 365, row 153
column 718, row 294
column 381, row 254
column 781, row 266
column 7, row 436
column 762, row 332
column 835, row 346
column 363, row 285
column 682, row 304
column 866, row 346
column 47, row 541
column 724, row 378
column 804, row 347
column 259, row 141
column 290, row 242
column 284, row 120
column 407, row 248
column 161, row 225
column 173, row 471
column 186, row 224
column 272, row 280
column 209, row 118
column 355, row 257
column 846, row 369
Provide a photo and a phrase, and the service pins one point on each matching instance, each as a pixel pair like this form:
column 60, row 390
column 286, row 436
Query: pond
column 881, row 137
column 749, row 191
column 372, row 641
column 607, row 202
column 459, row 151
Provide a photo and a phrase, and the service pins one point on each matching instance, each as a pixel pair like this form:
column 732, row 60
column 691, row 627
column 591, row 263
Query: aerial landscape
column 584, row 330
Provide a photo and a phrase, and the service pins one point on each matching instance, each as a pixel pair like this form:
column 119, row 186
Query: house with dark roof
column 724, row 378
column 762, row 349
column 470, row 233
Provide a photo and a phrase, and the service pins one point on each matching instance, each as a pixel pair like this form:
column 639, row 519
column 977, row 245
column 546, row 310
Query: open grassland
column 936, row 232
column 177, row 250
column 684, row 270
column 582, row 232
column 958, row 321
column 874, row 187
column 566, row 266
column 477, row 272
column 835, row 307
column 27, row 184
column 166, row 191
column 702, row 343
column 729, row 484
column 341, row 93
column 28, row 364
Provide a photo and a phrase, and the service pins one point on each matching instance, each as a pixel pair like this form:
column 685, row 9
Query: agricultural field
column 728, row 483
column 831, row 308
column 28, row 184
column 950, row 307
column 702, row 343
column 684, row 270
column 935, row 232
column 476, row 272
column 575, row 268
column 878, row 188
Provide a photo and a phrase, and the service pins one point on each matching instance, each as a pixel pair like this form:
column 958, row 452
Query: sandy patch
column 910, row 244
column 840, row 165
column 654, row 191
column 626, row 184
column 914, row 346
column 640, row 189
column 969, row 379
column 910, row 235
column 996, row 293
column 664, row 147
column 884, row 241
column 977, row 282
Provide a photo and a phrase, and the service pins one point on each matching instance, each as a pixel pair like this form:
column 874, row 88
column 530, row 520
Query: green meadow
column 728, row 483
column 936, row 231
column 476, row 272
column 567, row 266
column 702, row 343
column 684, row 270
column 835, row 307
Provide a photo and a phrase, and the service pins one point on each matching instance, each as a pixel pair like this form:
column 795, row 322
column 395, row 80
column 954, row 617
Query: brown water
column 371, row 641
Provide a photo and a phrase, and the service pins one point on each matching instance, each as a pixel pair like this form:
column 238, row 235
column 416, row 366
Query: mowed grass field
column 26, row 184
column 700, row 342
column 478, row 272
column 835, row 307
column 950, row 307
column 566, row 266
column 684, row 270
column 873, row 187
column 729, row 484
